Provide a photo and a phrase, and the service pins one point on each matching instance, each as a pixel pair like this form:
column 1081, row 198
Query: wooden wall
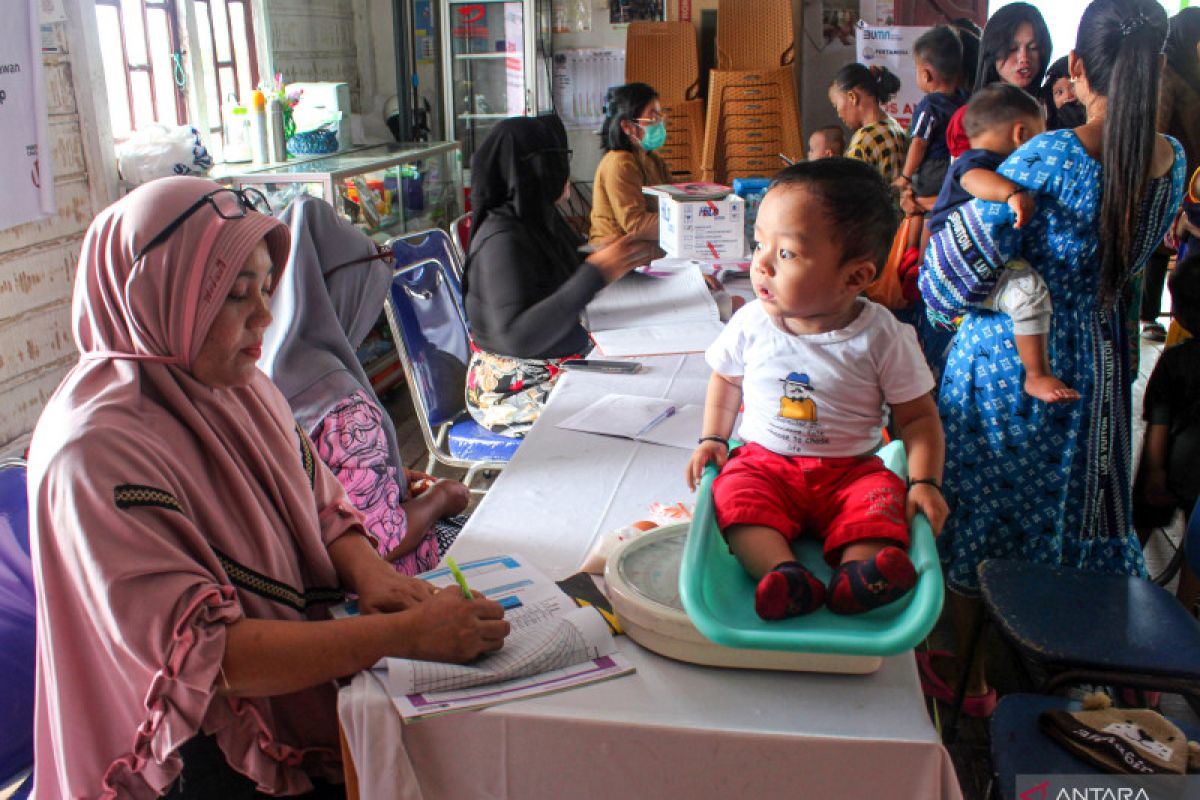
column 38, row 260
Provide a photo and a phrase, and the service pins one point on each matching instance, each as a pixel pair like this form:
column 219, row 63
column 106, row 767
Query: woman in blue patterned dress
column 1038, row 481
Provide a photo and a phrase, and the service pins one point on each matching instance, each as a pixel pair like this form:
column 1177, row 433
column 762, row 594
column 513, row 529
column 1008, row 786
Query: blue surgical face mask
column 654, row 136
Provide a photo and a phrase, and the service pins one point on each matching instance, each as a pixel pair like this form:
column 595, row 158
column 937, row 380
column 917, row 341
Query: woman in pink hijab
column 186, row 543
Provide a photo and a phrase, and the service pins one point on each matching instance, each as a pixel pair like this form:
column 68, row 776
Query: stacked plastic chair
column 663, row 55
column 753, row 115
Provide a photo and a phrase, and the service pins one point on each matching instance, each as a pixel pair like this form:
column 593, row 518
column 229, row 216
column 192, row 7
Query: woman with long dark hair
column 1045, row 482
column 1178, row 116
column 1015, row 48
column 634, row 127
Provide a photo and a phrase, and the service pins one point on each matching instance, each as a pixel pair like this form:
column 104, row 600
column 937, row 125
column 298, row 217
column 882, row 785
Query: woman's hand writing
column 614, row 260
column 451, row 628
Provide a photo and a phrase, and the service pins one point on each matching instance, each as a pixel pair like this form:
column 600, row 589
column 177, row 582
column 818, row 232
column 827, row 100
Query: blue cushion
column 470, row 440
column 1020, row 748
column 1066, row 618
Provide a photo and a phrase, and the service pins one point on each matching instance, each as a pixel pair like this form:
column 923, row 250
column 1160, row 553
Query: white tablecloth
column 671, row 730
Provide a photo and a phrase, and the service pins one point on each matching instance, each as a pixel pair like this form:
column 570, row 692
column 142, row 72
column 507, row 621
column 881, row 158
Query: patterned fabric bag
column 962, row 265
column 505, row 394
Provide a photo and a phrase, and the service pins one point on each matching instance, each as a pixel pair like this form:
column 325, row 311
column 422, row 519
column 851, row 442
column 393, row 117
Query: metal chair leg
column 469, row 478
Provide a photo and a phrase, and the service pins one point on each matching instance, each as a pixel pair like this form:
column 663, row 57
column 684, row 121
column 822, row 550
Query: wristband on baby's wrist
column 934, row 482
column 713, row 438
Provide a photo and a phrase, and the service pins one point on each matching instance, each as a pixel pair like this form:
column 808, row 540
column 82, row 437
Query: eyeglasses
column 228, row 203
column 651, row 120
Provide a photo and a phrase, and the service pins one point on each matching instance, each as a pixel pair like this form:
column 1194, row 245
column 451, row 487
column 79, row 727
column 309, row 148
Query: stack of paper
column 554, row 645
column 641, row 316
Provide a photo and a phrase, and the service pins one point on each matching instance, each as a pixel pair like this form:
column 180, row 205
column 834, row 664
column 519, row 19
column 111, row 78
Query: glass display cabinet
column 495, row 65
column 385, row 189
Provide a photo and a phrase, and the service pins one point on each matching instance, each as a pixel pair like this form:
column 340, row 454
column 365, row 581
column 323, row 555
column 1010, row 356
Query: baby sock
column 859, row 586
column 789, row 590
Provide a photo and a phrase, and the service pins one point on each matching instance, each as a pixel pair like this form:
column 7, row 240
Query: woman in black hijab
column 526, row 282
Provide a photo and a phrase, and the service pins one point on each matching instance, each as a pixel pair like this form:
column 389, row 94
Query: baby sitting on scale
column 817, row 366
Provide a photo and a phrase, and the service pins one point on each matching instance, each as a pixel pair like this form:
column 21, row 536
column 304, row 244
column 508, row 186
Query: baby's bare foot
column 1050, row 389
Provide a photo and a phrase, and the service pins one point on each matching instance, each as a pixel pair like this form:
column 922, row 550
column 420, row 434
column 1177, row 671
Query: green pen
column 459, row 579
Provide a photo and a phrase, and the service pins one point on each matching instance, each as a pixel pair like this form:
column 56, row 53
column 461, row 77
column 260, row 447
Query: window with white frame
column 154, row 50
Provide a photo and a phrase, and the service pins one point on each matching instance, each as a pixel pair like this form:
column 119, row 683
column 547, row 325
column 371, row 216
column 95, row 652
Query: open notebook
column 554, row 645
column 644, row 316
column 646, row 419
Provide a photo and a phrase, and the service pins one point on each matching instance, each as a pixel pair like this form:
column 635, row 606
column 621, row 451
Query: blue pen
column 667, row 413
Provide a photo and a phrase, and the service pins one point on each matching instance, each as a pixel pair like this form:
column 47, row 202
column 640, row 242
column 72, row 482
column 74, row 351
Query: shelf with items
column 385, row 190
column 494, row 65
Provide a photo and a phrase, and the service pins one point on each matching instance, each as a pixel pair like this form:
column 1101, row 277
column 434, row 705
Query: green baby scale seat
column 718, row 594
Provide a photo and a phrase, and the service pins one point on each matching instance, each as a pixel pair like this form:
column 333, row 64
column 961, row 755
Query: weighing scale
column 643, row 586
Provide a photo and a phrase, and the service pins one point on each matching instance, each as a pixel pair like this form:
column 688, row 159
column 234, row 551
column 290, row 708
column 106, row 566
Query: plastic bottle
column 237, row 134
column 260, row 147
column 278, row 147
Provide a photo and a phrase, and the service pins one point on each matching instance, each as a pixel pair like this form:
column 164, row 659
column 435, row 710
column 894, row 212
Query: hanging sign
column 892, row 47
column 25, row 170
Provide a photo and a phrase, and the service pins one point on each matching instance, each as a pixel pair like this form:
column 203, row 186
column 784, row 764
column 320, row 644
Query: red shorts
column 839, row 500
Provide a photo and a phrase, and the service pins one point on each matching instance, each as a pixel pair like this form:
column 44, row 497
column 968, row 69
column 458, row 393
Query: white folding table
column 670, row 730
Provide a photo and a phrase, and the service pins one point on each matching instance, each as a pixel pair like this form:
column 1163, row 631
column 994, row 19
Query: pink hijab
column 164, row 510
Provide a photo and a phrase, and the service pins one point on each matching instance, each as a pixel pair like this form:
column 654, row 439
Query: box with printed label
column 702, row 228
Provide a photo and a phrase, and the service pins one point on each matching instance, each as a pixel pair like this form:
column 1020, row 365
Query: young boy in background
column 999, row 119
column 938, row 54
column 826, row 142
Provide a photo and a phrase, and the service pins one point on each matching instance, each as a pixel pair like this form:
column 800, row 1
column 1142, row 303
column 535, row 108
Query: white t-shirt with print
column 820, row 394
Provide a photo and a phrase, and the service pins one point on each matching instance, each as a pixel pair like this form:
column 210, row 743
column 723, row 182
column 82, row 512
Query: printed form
column 554, row 645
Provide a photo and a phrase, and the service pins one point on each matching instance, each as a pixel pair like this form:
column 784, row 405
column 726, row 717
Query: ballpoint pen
column 666, row 413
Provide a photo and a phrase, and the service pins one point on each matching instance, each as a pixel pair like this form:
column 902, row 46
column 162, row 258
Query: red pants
column 839, row 500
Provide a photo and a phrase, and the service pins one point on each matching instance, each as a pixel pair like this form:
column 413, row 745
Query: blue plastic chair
column 429, row 325
column 1092, row 628
column 17, row 619
column 1020, row 748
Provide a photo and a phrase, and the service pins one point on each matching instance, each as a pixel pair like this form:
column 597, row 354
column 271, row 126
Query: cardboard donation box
column 691, row 226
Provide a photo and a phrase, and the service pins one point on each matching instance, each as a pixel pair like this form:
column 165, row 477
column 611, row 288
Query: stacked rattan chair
column 663, row 55
column 753, row 115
